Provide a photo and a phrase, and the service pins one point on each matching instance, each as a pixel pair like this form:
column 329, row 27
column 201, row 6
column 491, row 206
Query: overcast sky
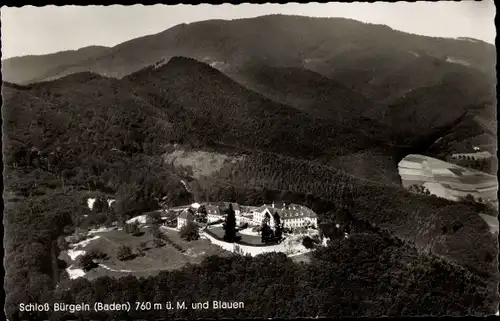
column 33, row 30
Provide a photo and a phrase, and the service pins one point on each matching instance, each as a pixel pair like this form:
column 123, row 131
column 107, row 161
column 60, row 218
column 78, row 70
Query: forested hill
column 219, row 110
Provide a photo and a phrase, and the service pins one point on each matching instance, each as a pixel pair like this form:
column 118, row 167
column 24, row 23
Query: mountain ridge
column 278, row 40
column 22, row 69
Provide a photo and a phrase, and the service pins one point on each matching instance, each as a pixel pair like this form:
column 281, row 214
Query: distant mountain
column 349, row 51
column 28, row 68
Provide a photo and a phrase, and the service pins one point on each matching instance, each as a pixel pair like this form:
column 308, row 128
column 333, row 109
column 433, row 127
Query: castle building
column 291, row 216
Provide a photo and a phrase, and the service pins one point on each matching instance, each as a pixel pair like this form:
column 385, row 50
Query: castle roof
column 213, row 209
column 289, row 211
column 296, row 211
column 187, row 215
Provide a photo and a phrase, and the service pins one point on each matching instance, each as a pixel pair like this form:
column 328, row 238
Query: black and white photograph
column 316, row 160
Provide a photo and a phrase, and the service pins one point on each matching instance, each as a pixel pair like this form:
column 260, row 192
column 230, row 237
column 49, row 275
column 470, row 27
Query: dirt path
column 130, row 271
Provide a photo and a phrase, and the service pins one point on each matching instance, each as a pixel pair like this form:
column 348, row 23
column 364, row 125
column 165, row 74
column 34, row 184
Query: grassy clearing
column 154, row 260
column 202, row 163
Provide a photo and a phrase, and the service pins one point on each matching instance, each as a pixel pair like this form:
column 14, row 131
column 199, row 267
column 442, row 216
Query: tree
column 140, row 250
column 110, row 217
column 158, row 243
column 278, row 227
column 124, row 253
column 153, row 218
column 133, row 228
column 266, row 233
column 468, row 198
column 155, row 232
column 100, row 205
column 135, row 198
column 308, row 242
column 201, row 215
column 230, row 225
column 189, row 232
column 62, row 244
column 96, row 254
column 157, row 235
column 122, row 223
column 86, row 262
column 143, row 246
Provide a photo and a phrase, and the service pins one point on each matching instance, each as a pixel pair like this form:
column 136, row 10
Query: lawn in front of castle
column 154, row 259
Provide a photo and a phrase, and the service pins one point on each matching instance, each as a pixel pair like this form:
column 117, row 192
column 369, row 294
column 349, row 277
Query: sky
column 33, row 30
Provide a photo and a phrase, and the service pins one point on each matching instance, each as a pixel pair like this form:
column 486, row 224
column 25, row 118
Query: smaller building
column 183, row 218
column 213, row 213
column 244, row 218
column 475, row 155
